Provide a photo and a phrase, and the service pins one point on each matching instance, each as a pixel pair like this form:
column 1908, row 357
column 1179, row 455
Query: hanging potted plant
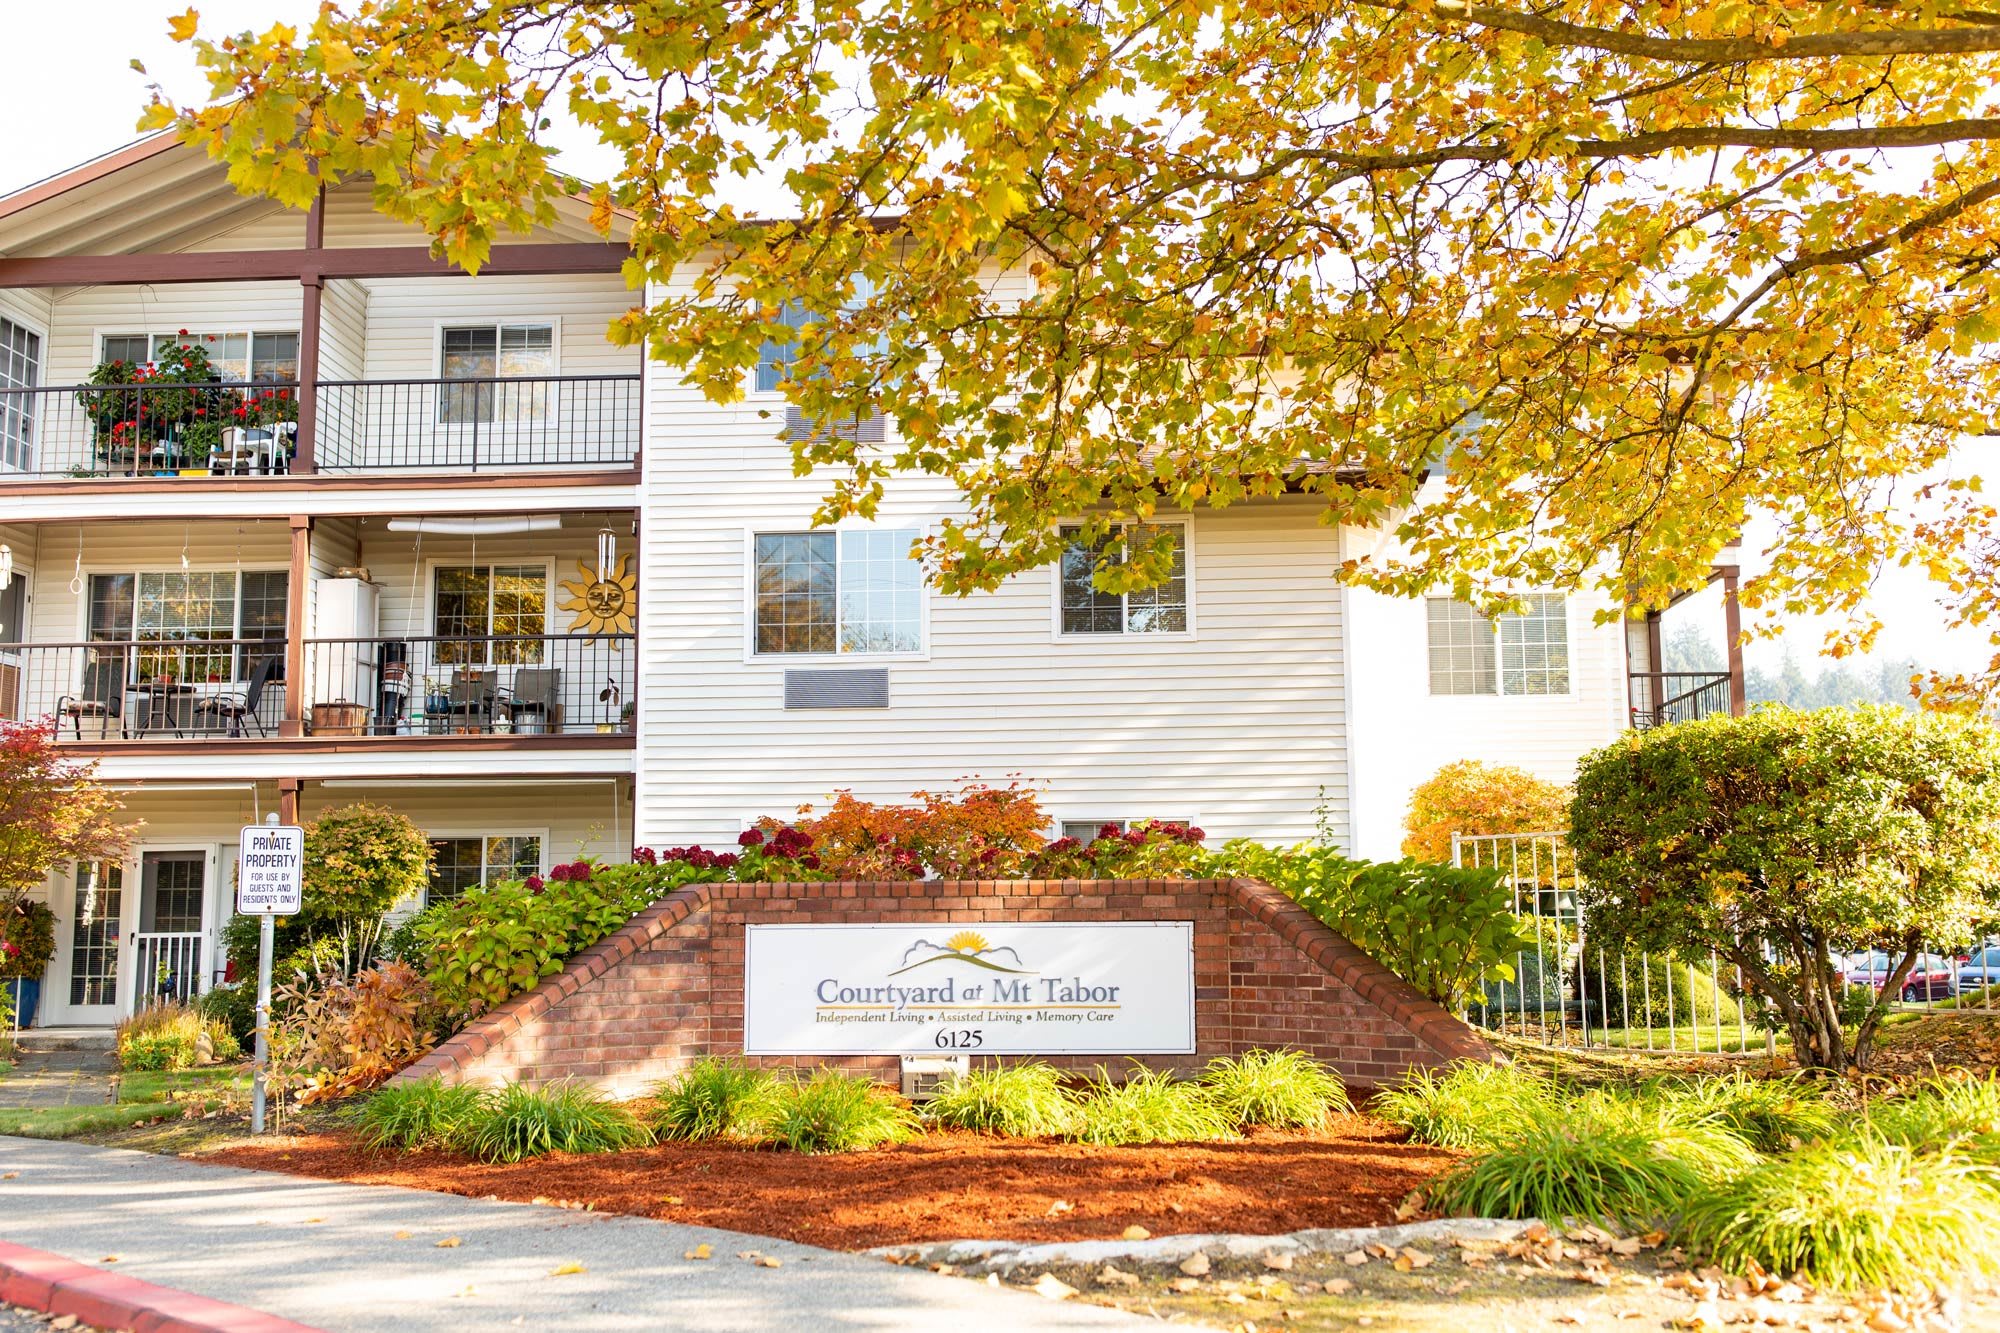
column 27, row 943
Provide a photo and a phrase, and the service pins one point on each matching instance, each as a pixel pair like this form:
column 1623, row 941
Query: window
column 459, row 864
column 179, row 611
column 20, row 368
column 1084, row 830
column 845, row 592
column 1161, row 609
column 775, row 359
column 480, row 602
column 490, row 352
column 237, row 357
column 1523, row 653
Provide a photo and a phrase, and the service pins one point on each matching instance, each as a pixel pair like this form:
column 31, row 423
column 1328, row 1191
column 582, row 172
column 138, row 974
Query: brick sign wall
column 668, row 987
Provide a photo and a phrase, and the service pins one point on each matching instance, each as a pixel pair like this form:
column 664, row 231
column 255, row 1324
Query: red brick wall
column 669, row 986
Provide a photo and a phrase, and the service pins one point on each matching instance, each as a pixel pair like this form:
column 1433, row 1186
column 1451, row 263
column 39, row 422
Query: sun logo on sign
column 965, row 946
column 966, row 941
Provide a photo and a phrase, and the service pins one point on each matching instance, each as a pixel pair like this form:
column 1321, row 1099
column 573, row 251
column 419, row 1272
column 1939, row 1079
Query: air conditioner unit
column 923, row 1073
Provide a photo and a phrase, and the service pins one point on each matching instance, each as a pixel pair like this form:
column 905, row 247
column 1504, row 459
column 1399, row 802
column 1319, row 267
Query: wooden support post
column 311, row 286
column 297, row 589
column 288, row 800
column 1732, row 624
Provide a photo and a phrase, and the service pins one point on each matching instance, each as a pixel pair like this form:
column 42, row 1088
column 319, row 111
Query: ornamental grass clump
column 1469, row 1105
column 1277, row 1089
column 711, row 1099
column 1855, row 1213
column 519, row 1122
column 1770, row 1114
column 1962, row 1114
column 1151, row 1106
column 1027, row 1101
column 425, row 1113
column 836, row 1112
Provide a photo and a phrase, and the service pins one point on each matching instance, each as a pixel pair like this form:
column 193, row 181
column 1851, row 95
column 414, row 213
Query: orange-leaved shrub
column 976, row 832
column 341, row 1036
column 1472, row 797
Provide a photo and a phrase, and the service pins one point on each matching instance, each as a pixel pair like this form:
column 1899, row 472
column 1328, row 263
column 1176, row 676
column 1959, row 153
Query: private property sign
column 1041, row 988
column 270, row 870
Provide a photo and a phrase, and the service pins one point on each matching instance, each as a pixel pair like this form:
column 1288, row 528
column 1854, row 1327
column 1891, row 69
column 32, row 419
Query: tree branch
column 1723, row 50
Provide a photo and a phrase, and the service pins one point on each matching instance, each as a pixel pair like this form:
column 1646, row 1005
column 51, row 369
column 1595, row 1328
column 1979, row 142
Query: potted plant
column 27, row 943
column 199, row 440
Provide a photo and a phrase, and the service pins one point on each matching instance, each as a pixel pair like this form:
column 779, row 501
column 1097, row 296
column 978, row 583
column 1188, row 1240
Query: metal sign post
column 270, row 883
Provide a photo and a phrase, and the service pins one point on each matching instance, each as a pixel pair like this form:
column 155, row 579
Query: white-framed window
column 21, row 369
column 1086, row 829
column 1081, row 608
column 466, row 862
column 270, row 356
column 176, row 614
column 776, row 359
column 490, row 354
column 858, row 590
column 1519, row 653
column 474, row 604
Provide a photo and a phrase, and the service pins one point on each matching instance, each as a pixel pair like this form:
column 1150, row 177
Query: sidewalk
column 343, row 1257
column 52, row 1070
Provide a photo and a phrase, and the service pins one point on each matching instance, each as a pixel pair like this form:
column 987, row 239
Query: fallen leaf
column 1567, row 1319
column 1338, row 1286
column 401, row 1235
column 747, row 1254
column 1195, row 1265
column 1409, row 1208
column 1355, row 1258
column 1417, row 1258
column 671, row 1200
column 1278, row 1263
column 1113, row 1277
column 770, row 1261
column 1185, row 1284
column 564, row 1270
column 701, row 1251
column 108, row 1259
column 1137, row 1233
column 448, row 1243
column 1053, row 1288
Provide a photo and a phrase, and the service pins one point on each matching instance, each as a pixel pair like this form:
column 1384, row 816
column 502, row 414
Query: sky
column 67, row 88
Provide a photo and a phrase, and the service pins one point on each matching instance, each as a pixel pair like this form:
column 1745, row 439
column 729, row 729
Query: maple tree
column 1476, row 798
column 1625, row 272
column 52, row 810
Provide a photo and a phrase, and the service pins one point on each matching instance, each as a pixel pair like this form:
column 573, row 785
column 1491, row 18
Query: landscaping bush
column 1026, row 1100
column 360, row 861
column 338, row 1036
column 836, row 1112
column 27, row 939
column 405, row 942
column 425, row 1113
column 1874, row 827
column 1848, row 1214
column 1147, row 850
column 977, row 832
column 1469, row 1105
column 519, row 1122
column 1601, row 1159
column 234, row 1007
column 1278, row 1089
column 713, row 1098
column 1539, row 972
column 1770, row 1114
column 1443, row 930
column 52, row 811
column 1150, row 1106
column 1958, row 1113
column 1471, row 797
column 173, row 1037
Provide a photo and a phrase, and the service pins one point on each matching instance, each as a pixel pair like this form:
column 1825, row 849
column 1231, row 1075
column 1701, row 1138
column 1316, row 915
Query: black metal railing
column 477, row 425
column 558, row 684
column 1661, row 697
column 146, row 689
column 154, row 429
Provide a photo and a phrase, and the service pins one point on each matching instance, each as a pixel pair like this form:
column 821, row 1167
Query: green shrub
column 836, row 1112
column 712, row 1098
column 1958, row 1113
column 360, row 861
column 1281, row 1089
column 1444, row 930
column 1150, row 1106
column 519, row 1122
column 425, row 1113
column 1770, row 1114
column 173, row 1037
column 1025, row 1101
column 406, row 943
column 234, row 1007
column 1469, row 1105
column 1598, row 1158
column 1859, row 1213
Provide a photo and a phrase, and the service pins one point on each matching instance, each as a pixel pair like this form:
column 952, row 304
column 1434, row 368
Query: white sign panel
column 270, row 870
column 1033, row 988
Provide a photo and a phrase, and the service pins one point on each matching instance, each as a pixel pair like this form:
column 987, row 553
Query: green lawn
column 147, row 1086
column 142, row 1096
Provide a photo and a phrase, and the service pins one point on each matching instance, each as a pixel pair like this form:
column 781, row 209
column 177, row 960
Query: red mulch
column 942, row 1187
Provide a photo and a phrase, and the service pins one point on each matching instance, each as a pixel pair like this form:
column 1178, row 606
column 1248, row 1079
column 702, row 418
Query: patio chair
column 103, row 697
column 232, row 711
column 472, row 699
column 531, row 703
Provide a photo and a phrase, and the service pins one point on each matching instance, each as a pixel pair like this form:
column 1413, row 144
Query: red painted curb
column 58, row 1286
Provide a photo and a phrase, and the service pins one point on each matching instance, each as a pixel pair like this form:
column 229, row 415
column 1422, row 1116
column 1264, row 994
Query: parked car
column 1933, row 977
column 1981, row 968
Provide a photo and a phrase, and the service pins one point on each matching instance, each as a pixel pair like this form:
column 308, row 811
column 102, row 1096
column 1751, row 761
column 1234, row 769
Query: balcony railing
column 1661, row 697
column 559, row 684
column 242, row 429
column 146, row 690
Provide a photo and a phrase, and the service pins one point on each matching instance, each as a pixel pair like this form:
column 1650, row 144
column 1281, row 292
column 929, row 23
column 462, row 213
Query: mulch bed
column 942, row 1187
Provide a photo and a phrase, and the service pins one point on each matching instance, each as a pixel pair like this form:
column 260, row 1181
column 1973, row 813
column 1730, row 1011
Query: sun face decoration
column 966, row 941
column 602, row 606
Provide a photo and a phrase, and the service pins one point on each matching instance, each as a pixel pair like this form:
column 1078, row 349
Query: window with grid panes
column 1160, row 609
column 1086, row 830
column 776, row 359
column 177, row 611
column 1519, row 653
column 858, row 591
column 502, row 602
column 459, row 864
column 490, row 352
column 268, row 357
column 20, row 369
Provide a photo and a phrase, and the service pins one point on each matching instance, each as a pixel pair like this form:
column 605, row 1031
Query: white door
column 169, row 912
column 129, row 934
column 91, row 931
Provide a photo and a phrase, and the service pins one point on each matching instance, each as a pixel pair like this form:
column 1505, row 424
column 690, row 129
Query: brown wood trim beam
column 379, row 745
column 304, row 265
column 320, row 481
column 288, row 800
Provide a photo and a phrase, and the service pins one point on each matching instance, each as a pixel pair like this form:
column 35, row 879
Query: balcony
column 391, row 689
column 1662, row 697
column 445, row 427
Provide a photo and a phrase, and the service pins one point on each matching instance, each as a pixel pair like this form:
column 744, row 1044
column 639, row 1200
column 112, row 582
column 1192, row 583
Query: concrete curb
column 58, row 1286
column 1003, row 1256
